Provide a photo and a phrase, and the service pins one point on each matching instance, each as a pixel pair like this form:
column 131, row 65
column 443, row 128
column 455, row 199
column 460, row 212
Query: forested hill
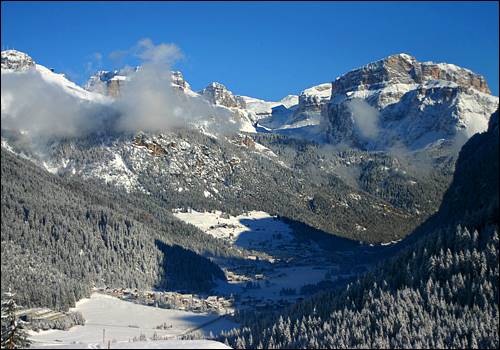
column 473, row 195
column 61, row 237
column 472, row 198
column 439, row 292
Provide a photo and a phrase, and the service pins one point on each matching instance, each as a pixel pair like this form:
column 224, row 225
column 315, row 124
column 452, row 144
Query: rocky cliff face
column 109, row 83
column 399, row 100
column 314, row 98
column 179, row 81
column 99, row 81
column 218, row 94
column 405, row 69
column 311, row 102
column 16, row 61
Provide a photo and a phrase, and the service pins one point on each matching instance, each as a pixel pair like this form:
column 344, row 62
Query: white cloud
column 43, row 110
column 147, row 102
column 365, row 117
column 160, row 54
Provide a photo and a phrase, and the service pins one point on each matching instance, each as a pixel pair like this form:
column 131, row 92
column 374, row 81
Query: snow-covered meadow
column 294, row 263
column 109, row 319
column 248, row 230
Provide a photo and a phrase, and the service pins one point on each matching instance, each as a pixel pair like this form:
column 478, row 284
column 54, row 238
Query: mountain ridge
column 347, row 181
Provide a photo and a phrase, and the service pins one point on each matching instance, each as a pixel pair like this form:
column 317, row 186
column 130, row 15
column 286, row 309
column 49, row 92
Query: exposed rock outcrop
column 408, row 103
column 16, row 61
column 179, row 81
column 218, row 94
column 405, row 69
column 314, row 98
column 153, row 146
column 110, row 83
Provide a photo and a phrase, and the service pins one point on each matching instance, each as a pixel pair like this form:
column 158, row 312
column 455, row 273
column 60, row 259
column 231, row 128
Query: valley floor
column 278, row 263
column 279, row 269
column 122, row 321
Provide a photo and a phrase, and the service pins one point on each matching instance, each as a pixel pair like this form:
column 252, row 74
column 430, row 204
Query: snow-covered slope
column 150, row 344
column 248, row 230
column 291, row 112
column 15, row 62
column 264, row 108
column 303, row 114
column 69, row 86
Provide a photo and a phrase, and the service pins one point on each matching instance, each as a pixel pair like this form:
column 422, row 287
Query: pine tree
column 14, row 335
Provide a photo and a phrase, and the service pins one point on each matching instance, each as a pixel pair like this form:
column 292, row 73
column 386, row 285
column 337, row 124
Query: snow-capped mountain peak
column 218, row 94
column 13, row 60
column 16, row 62
column 415, row 103
column 405, row 69
column 403, row 100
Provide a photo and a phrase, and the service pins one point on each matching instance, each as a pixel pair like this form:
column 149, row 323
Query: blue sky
column 259, row 49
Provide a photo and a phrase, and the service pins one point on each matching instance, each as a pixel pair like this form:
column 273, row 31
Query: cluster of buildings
column 194, row 303
column 174, row 300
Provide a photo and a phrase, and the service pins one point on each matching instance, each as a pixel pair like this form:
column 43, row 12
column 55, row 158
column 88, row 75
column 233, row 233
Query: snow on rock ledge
column 16, row 61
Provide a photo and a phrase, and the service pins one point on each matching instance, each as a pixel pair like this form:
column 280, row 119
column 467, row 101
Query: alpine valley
column 362, row 212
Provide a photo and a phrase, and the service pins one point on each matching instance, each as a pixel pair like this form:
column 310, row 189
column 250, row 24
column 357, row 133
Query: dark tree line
column 443, row 293
column 61, row 237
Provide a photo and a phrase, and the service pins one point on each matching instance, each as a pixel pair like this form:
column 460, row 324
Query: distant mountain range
column 367, row 156
column 415, row 103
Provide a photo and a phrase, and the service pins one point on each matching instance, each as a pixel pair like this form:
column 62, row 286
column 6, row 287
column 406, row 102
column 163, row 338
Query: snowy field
column 123, row 320
column 159, row 344
column 247, row 231
column 298, row 263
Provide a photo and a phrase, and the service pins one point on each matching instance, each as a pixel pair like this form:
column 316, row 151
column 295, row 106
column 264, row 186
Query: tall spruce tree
column 14, row 335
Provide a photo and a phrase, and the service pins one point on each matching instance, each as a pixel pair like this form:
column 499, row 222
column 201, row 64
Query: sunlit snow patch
column 124, row 320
